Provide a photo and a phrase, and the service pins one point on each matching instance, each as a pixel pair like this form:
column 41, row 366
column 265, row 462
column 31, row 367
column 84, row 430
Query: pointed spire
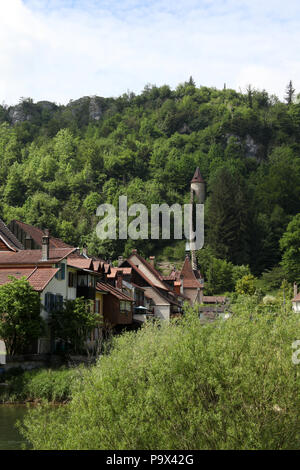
column 197, row 178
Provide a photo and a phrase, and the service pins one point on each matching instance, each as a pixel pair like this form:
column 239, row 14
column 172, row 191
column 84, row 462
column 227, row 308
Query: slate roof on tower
column 197, row 178
column 189, row 279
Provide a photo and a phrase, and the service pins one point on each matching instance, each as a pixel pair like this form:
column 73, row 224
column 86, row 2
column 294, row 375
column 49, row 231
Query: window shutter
column 47, row 301
column 51, row 302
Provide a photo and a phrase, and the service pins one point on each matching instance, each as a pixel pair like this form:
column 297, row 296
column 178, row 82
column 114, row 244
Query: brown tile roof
column 41, row 277
column 34, row 257
column 9, row 238
column 197, row 178
column 173, row 276
column 36, row 234
column 38, row 278
column 81, row 263
column 148, row 265
column 297, row 298
column 138, row 271
column 17, row 273
column 189, row 278
column 101, row 286
column 156, row 295
column 97, row 265
column 113, row 272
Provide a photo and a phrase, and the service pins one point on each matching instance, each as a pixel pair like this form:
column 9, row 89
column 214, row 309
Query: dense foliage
column 20, row 321
column 74, row 323
column 230, row 384
column 58, row 163
column 38, row 385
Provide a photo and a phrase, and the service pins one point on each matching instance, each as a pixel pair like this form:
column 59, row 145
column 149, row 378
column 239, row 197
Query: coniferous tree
column 290, row 91
column 227, row 218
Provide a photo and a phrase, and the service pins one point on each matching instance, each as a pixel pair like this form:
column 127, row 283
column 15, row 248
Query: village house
column 57, row 271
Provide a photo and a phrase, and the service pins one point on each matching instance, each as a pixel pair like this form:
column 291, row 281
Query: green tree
column 228, row 217
column 246, row 285
column 290, row 91
column 74, row 323
column 20, row 321
column 290, row 246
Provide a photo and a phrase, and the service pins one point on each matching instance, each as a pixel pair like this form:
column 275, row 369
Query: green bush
column 37, row 385
column 226, row 385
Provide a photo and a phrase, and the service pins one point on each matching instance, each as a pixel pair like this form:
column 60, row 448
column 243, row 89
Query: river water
column 10, row 438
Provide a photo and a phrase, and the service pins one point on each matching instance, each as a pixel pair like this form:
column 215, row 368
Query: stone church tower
column 197, row 197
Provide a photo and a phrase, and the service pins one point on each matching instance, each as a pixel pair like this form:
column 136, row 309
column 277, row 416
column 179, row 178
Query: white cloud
column 61, row 50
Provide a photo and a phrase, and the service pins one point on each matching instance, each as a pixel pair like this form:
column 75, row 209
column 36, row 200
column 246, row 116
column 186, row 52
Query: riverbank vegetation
column 230, row 384
column 54, row 386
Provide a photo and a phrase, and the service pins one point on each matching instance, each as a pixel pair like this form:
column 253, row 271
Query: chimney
column 45, row 245
column 84, row 251
column 119, row 281
column 295, row 289
column 120, row 260
column 152, row 260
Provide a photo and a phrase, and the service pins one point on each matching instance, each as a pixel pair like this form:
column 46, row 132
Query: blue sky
column 63, row 49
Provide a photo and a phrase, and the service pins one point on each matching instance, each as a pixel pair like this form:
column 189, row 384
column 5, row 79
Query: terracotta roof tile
column 81, row 263
column 197, row 178
column 41, row 277
column 33, row 257
column 113, row 272
column 38, row 278
column 17, row 273
column 113, row 291
column 189, row 278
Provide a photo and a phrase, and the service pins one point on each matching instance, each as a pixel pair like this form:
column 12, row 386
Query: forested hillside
column 58, row 163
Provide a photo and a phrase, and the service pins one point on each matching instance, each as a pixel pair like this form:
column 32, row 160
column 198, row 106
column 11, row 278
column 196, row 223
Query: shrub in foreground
column 225, row 385
column 45, row 384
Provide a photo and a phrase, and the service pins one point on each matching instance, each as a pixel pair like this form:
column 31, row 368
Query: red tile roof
column 197, row 178
column 37, row 234
column 113, row 272
column 101, row 286
column 41, row 277
column 38, row 278
column 81, row 263
column 138, row 271
column 33, row 257
column 17, row 273
column 189, row 279
column 148, row 265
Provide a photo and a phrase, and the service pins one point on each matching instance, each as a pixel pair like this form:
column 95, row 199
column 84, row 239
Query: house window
column 125, row 307
column 82, row 280
column 97, row 306
column 53, row 302
column 72, row 279
column 61, row 274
